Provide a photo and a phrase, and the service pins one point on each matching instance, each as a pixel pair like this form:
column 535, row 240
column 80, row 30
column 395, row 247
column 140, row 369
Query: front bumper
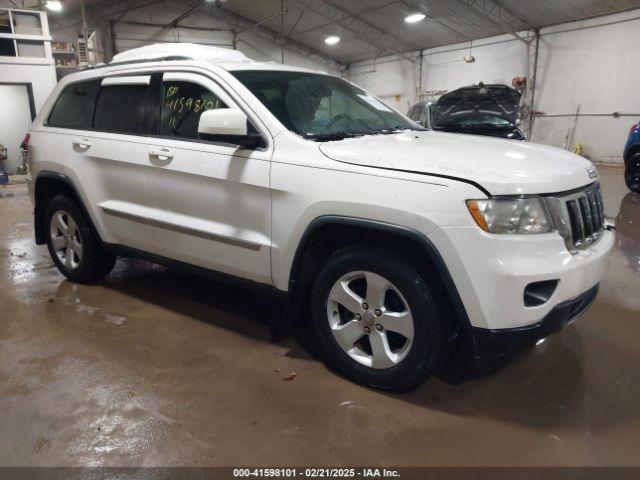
column 488, row 342
column 491, row 273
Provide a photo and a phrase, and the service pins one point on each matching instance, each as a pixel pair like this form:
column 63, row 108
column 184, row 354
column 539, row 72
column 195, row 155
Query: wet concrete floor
column 155, row 367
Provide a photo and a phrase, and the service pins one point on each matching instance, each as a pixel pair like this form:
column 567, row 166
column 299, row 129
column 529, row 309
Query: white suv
column 394, row 241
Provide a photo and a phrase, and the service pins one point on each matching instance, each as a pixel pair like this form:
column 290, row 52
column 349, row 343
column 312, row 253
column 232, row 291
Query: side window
column 123, row 109
column 182, row 104
column 74, row 107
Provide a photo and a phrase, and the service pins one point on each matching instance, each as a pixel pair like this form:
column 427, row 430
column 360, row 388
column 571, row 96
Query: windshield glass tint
column 315, row 106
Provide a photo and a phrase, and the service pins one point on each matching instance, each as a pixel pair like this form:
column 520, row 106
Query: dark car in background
column 632, row 159
column 477, row 110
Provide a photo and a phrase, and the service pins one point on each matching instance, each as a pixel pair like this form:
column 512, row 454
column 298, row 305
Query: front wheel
column 376, row 319
column 632, row 173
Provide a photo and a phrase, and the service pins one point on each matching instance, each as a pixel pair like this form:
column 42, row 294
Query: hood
column 503, row 167
column 477, row 101
column 510, row 132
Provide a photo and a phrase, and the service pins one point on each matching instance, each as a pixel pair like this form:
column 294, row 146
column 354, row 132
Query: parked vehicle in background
column 422, row 113
column 490, row 110
column 632, row 159
column 392, row 241
column 627, row 231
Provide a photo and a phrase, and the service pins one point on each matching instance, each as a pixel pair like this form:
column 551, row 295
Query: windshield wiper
column 327, row 137
column 341, row 135
column 401, row 127
column 473, row 125
column 391, row 130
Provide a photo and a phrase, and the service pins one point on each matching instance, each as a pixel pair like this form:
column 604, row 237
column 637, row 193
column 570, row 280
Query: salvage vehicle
column 477, row 110
column 394, row 242
column 632, row 159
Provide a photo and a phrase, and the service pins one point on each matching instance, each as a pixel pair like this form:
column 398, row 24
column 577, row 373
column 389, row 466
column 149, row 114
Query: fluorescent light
column 332, row 40
column 415, row 17
column 54, row 6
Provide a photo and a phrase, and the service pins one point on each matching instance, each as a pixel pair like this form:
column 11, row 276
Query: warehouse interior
column 153, row 366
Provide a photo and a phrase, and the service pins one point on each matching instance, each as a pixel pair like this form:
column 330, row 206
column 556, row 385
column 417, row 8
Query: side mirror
column 518, row 122
column 223, row 121
column 229, row 125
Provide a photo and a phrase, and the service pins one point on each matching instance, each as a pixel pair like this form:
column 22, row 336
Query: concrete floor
column 154, row 367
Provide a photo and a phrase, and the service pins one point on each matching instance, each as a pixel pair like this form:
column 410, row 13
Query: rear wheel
column 632, row 173
column 376, row 319
column 72, row 245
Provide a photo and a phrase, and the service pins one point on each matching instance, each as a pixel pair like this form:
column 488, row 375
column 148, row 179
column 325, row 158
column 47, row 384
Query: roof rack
column 133, row 62
column 179, row 51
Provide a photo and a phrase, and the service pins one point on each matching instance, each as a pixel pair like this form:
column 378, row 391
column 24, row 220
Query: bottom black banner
column 405, row 473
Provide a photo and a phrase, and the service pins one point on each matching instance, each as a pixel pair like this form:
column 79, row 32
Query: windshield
column 322, row 107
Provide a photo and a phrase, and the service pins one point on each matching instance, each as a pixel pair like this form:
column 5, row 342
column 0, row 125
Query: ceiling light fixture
column 415, row 17
column 332, row 40
column 54, row 6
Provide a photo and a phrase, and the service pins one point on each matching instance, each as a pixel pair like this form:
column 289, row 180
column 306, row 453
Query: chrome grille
column 580, row 217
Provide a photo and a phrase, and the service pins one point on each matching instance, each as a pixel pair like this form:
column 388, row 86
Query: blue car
column 632, row 159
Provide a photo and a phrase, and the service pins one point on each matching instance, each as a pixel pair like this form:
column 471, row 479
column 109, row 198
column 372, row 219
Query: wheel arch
column 326, row 234
column 48, row 184
column 633, row 150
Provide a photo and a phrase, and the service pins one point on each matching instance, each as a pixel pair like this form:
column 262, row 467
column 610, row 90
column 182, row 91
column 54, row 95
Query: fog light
column 537, row 293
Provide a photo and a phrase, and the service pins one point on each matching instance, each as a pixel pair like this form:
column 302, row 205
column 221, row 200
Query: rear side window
column 74, row 107
column 182, row 105
column 123, row 109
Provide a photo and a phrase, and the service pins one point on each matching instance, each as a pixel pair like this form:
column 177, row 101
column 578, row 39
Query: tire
column 366, row 359
column 632, row 173
column 72, row 245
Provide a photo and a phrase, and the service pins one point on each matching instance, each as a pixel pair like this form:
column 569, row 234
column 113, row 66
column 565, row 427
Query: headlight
column 512, row 215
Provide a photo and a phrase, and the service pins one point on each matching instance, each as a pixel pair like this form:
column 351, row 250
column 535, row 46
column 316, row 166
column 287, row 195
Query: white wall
column 592, row 63
column 392, row 79
column 498, row 60
column 41, row 77
column 15, row 123
column 12, row 125
column 598, row 69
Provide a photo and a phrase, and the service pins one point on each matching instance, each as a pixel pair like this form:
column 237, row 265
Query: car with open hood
column 490, row 110
column 394, row 242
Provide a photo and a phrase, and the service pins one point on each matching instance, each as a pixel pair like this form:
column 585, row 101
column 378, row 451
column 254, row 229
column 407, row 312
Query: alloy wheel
column 370, row 319
column 66, row 239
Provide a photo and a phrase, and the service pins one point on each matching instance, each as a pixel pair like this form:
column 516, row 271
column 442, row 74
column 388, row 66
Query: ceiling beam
column 418, row 6
column 362, row 12
column 362, row 29
column 499, row 16
column 176, row 21
column 238, row 23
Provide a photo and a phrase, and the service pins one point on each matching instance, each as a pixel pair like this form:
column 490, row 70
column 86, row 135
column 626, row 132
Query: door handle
column 81, row 143
column 163, row 155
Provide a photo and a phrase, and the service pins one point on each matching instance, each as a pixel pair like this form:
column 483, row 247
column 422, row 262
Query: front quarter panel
column 307, row 185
